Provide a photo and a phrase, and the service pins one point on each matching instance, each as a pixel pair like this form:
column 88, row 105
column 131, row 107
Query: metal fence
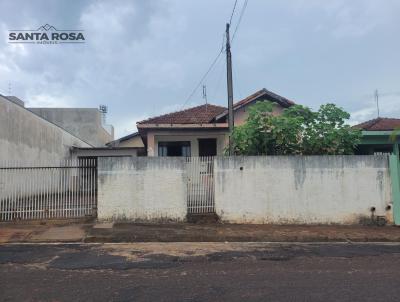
column 200, row 185
column 66, row 189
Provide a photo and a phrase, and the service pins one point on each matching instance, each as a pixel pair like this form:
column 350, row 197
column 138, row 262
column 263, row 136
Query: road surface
column 200, row 272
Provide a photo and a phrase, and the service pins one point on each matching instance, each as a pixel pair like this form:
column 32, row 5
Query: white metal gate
column 66, row 189
column 200, row 185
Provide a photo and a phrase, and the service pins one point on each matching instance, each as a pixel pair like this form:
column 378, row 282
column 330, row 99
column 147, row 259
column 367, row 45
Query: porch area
column 187, row 143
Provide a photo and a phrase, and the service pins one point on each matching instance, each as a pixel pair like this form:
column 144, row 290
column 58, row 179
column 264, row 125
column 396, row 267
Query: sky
column 144, row 58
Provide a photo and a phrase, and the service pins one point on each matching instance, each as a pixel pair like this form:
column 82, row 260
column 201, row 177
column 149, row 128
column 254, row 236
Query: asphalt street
column 200, row 272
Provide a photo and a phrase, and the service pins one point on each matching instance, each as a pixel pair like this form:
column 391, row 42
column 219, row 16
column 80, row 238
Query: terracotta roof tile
column 379, row 124
column 202, row 114
column 207, row 113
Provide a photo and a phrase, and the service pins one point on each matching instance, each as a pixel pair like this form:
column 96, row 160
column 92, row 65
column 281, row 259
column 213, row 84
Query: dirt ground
column 185, row 232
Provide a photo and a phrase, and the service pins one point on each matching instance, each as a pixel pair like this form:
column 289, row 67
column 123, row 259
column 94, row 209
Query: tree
column 298, row 130
column 395, row 133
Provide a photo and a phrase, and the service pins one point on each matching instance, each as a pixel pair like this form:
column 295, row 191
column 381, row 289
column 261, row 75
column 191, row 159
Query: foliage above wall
column 298, row 130
column 395, row 134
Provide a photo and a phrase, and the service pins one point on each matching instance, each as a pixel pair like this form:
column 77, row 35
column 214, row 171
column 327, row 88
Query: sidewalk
column 184, row 232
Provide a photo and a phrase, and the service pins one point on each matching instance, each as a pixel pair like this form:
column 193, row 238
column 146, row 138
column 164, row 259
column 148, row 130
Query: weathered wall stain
column 296, row 189
column 300, row 172
column 256, row 189
column 142, row 189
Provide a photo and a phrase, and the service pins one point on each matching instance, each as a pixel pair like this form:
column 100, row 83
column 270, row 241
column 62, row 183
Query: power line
column 202, row 79
column 218, row 82
column 240, row 19
column 218, row 55
column 233, row 11
column 389, row 93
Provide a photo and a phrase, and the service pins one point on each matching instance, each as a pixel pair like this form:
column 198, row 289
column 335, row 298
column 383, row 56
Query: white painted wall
column 268, row 189
column 141, row 189
column 305, row 190
column 26, row 137
column 84, row 123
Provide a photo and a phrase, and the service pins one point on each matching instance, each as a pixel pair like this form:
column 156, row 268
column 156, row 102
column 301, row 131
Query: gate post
column 394, row 167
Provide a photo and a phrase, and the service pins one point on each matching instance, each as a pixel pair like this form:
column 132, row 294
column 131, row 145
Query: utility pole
column 230, row 88
column 377, row 100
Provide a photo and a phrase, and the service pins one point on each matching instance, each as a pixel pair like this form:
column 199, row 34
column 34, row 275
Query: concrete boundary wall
column 302, row 189
column 141, row 189
column 263, row 189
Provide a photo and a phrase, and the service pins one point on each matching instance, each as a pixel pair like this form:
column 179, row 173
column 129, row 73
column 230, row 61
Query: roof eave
column 183, row 126
column 105, row 148
column 124, row 138
column 377, row 132
column 257, row 95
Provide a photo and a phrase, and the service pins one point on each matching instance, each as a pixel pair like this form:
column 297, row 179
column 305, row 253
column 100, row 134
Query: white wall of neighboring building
column 85, row 123
column 24, row 136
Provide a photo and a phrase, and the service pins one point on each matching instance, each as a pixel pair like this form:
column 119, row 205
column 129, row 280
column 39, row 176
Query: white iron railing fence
column 200, row 185
column 66, row 189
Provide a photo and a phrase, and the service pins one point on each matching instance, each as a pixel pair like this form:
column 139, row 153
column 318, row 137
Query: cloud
column 143, row 58
column 349, row 19
column 389, row 106
column 45, row 100
column 128, row 126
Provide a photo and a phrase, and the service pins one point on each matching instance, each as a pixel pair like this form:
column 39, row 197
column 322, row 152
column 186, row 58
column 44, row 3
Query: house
column 377, row 136
column 191, row 132
column 197, row 131
column 132, row 141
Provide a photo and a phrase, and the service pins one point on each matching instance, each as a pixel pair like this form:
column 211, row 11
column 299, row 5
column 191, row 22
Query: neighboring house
column 132, row 141
column 197, row 131
column 85, row 123
column 53, row 134
column 377, row 136
column 27, row 137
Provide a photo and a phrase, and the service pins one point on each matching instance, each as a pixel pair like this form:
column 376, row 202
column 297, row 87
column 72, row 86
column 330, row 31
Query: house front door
column 207, row 146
